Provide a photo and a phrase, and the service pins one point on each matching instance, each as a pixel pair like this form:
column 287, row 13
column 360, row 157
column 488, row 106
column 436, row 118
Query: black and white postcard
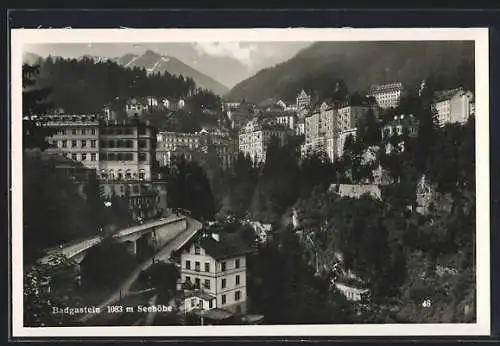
column 250, row 182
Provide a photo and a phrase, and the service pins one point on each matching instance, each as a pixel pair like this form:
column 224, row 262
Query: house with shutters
column 214, row 275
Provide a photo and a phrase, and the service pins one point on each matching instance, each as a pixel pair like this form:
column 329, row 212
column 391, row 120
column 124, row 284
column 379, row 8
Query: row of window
column 122, row 130
column 120, row 175
column 77, row 132
column 122, row 157
column 77, row 144
column 82, row 156
column 122, row 143
column 207, row 285
column 207, row 264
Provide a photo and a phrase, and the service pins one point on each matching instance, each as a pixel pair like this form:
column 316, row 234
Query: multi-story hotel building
column 214, row 266
column 287, row 119
column 454, row 106
column 174, row 145
column 303, row 99
column 349, row 115
column 121, row 153
column 321, row 131
column 387, row 95
column 255, row 137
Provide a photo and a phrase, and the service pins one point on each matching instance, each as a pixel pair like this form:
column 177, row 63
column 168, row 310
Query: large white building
column 120, row 152
column 116, row 149
column 321, row 130
column 255, row 136
column 174, row 145
column 387, row 95
column 454, row 106
column 214, row 266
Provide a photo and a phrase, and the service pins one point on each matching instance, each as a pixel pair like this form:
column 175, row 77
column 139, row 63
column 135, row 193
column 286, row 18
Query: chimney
column 216, row 236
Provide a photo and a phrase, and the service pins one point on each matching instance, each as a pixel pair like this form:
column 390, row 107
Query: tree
column 369, row 129
column 47, row 286
column 107, row 264
column 35, row 131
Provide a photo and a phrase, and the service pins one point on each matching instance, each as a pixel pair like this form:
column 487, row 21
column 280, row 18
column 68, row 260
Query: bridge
column 153, row 235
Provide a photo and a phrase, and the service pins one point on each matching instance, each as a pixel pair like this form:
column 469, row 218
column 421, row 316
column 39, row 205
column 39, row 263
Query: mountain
column 154, row 62
column 320, row 66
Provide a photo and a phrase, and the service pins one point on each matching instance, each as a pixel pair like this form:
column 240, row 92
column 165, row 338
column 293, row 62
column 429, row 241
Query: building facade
column 454, row 106
column 216, row 264
column 120, row 152
column 396, row 128
column 387, row 95
column 303, row 99
column 255, row 137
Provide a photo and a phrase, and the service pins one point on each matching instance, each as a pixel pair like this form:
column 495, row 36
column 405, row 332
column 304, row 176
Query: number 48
column 426, row 303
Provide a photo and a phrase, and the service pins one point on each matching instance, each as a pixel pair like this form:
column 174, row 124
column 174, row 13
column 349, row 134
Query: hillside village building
column 287, row 119
column 397, row 127
column 171, row 146
column 303, row 100
column 454, row 106
column 214, row 267
column 255, row 137
column 356, row 190
column 321, row 131
column 387, row 95
column 120, row 152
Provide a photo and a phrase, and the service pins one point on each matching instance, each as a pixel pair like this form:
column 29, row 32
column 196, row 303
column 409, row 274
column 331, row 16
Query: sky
column 227, row 62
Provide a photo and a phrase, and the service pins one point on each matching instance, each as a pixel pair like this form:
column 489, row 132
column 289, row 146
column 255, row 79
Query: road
column 164, row 254
column 75, row 247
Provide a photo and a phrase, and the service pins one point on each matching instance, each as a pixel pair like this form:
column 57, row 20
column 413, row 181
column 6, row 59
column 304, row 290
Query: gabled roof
column 229, row 244
column 303, row 94
column 444, row 95
column 381, row 88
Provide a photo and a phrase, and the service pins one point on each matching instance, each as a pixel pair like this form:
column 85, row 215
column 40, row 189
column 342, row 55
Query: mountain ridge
column 359, row 64
column 153, row 63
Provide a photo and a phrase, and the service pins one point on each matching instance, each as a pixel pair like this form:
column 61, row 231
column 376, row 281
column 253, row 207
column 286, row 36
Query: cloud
column 236, row 50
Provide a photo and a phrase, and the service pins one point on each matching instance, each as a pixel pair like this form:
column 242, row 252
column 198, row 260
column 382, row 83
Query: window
column 237, row 295
column 142, row 157
column 73, row 144
column 84, row 157
column 197, row 250
column 73, row 132
column 237, row 263
column 193, row 302
column 92, row 131
column 223, row 297
column 142, row 143
column 92, row 143
column 197, row 282
column 92, row 157
column 207, row 267
column 237, row 280
column 64, row 144
column 197, row 266
column 223, row 283
column 73, row 157
column 207, row 284
column 188, row 265
column 84, row 143
column 223, row 267
column 188, row 279
column 210, row 304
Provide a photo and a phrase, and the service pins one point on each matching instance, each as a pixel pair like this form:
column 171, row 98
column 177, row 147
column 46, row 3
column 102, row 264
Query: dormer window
column 197, row 249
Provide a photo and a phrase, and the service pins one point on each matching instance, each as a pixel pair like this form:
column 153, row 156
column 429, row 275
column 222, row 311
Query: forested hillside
column 321, row 66
column 102, row 82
